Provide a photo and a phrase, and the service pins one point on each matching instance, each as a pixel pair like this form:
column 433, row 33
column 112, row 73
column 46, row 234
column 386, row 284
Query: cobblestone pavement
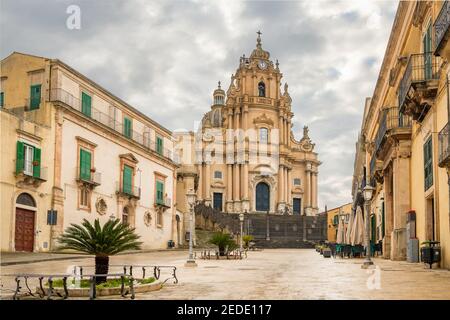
column 276, row 274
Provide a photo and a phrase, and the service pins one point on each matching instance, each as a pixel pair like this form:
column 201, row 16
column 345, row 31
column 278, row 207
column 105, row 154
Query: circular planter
column 84, row 292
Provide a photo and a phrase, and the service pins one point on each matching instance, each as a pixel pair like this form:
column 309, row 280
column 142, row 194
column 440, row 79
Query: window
column 84, row 197
column 159, row 219
column 217, row 174
column 428, row 163
column 159, row 145
column 125, row 216
column 336, row 220
column 127, row 178
column 85, row 165
column 2, row 97
column 261, row 89
column 297, row 182
column 86, row 104
column 28, row 160
column 218, row 201
column 297, row 205
column 35, row 96
column 263, row 135
column 428, row 53
column 127, row 127
column 159, row 192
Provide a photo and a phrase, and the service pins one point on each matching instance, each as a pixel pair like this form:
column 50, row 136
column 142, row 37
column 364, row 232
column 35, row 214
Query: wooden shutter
column 85, row 165
column 35, row 96
column 159, row 192
column 126, row 179
column 19, row 157
column 37, row 163
column 127, row 127
column 2, row 97
column 428, row 163
column 86, row 104
column 159, row 145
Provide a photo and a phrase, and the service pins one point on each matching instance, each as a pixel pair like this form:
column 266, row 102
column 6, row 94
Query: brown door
column 24, row 237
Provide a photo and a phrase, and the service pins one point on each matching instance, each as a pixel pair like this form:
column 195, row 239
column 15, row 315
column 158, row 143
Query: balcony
column 92, row 178
column 441, row 30
column 143, row 139
column 419, row 85
column 444, row 147
column 376, row 170
column 392, row 124
column 165, row 203
column 31, row 177
column 126, row 191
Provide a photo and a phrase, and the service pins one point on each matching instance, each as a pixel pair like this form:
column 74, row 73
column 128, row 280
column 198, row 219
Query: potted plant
column 111, row 239
column 222, row 241
column 430, row 252
column 247, row 239
column 93, row 169
column 35, row 163
column 326, row 252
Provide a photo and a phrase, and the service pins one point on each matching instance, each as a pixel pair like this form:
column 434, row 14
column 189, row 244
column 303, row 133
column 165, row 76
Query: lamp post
column 191, row 197
column 241, row 220
column 367, row 193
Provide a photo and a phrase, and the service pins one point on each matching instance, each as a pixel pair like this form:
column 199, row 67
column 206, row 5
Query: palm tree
column 115, row 237
column 223, row 241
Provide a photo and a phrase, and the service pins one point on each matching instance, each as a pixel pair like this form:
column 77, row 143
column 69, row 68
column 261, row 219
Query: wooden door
column 24, row 235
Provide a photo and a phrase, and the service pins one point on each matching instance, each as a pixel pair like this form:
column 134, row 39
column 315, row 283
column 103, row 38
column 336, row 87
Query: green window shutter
column 159, row 145
column 35, row 96
column 374, row 228
column 19, row 157
column 2, row 97
column 127, row 127
column 428, row 163
column 159, row 192
column 85, row 165
column 86, row 106
column 126, row 180
column 37, row 160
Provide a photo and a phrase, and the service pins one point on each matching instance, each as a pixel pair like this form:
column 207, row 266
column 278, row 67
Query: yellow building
column 333, row 215
column 403, row 148
column 244, row 154
column 71, row 150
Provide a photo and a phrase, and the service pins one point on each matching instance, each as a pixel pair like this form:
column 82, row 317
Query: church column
column 314, row 189
column 289, row 182
column 281, row 188
column 200, row 181
column 280, row 128
column 230, row 160
column 229, row 182
column 308, row 187
column 208, row 182
column 288, row 133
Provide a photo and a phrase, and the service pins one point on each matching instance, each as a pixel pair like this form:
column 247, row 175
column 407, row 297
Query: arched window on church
column 217, row 118
column 263, row 135
column 262, row 89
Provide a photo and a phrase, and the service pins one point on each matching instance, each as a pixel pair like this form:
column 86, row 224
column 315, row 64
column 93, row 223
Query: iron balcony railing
column 40, row 174
column 441, row 26
column 166, row 202
column 128, row 190
column 92, row 177
column 444, row 146
column 58, row 94
column 421, row 67
column 391, row 118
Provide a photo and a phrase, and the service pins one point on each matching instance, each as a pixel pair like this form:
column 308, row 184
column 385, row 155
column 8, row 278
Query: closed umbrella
column 349, row 229
column 357, row 234
column 340, row 232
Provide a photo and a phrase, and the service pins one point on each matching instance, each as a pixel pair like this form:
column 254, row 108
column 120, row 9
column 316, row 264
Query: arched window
column 263, row 135
column 26, row 199
column 262, row 89
column 217, row 174
column 125, row 215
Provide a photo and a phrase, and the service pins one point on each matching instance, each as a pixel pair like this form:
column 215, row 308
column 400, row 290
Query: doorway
column 24, row 224
column 262, row 197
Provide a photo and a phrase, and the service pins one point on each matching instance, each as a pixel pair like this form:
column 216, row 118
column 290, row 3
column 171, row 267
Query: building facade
column 403, row 146
column 78, row 152
column 333, row 215
column 244, row 156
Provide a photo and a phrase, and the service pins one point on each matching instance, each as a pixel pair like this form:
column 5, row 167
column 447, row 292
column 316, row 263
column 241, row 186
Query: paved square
column 275, row 274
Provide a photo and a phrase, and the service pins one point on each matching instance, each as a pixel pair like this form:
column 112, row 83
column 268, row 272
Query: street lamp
column 191, row 197
column 241, row 220
column 367, row 194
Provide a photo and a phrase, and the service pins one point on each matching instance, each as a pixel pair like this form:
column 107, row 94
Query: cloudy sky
column 165, row 58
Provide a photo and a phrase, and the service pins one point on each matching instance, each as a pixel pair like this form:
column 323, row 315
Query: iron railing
column 444, row 145
column 128, row 190
column 441, row 26
column 41, row 174
column 391, row 119
column 58, row 94
column 92, row 177
column 166, row 202
column 421, row 67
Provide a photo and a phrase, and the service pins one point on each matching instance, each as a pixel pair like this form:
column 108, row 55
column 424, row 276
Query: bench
column 49, row 293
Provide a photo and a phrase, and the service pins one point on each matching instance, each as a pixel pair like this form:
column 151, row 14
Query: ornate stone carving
column 263, row 119
column 147, row 218
column 101, row 206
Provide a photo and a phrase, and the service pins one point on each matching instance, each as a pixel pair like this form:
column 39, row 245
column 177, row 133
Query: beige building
column 244, row 156
column 333, row 215
column 403, row 148
column 72, row 148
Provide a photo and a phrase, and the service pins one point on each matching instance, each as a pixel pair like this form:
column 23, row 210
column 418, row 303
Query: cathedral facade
column 243, row 157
